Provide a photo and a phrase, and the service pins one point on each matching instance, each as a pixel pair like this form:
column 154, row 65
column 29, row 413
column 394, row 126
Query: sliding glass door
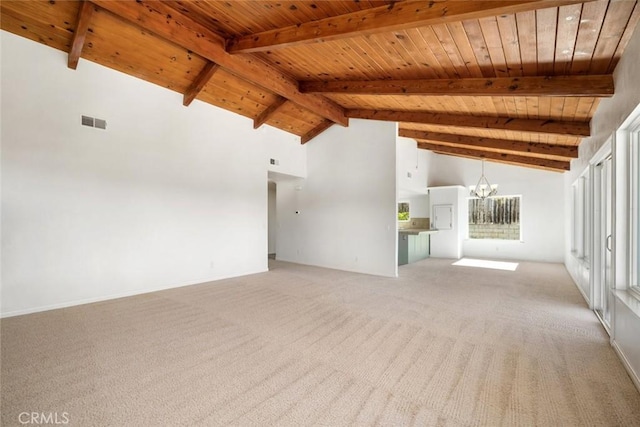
column 603, row 239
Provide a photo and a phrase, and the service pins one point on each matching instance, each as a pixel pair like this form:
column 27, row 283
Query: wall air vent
column 93, row 122
column 87, row 121
column 101, row 124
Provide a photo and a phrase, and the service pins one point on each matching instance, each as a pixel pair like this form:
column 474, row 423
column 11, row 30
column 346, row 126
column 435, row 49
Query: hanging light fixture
column 483, row 188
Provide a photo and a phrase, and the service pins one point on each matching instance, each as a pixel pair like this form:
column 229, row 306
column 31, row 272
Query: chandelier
column 483, row 188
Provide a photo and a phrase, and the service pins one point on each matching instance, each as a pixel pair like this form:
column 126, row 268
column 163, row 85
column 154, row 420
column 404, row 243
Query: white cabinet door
column 443, row 217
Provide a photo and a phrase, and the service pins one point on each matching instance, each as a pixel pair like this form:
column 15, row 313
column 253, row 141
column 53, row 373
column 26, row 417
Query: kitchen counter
column 417, row 231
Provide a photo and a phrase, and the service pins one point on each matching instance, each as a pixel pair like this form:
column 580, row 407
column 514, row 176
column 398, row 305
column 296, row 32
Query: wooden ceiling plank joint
column 557, row 165
column 168, row 23
column 200, row 82
column 80, row 33
column 556, row 127
column 565, row 151
column 506, row 162
column 326, row 124
column 558, row 86
column 397, row 16
column 269, row 112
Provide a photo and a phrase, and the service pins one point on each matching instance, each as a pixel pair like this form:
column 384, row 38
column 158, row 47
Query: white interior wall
column 447, row 242
column 412, row 189
column 610, row 115
column 418, row 205
column 411, row 161
column 541, row 213
column 166, row 196
column 285, row 148
column 347, row 204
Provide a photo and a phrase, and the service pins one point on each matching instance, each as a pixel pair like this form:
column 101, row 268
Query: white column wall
column 343, row 215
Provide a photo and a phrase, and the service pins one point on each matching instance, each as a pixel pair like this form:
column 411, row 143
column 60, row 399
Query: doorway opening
column 271, row 219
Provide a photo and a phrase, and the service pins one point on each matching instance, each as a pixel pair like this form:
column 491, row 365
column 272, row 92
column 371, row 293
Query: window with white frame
column 585, row 224
column 403, row 211
column 495, row 218
column 575, row 209
column 581, row 217
column 634, row 188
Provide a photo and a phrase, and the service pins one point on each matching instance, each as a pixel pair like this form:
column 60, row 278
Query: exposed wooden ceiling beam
column 564, row 128
column 166, row 22
column 392, row 17
column 199, row 83
column 326, row 124
column 563, row 151
column 80, row 33
column 557, row 165
column 499, row 161
column 564, row 86
column 268, row 112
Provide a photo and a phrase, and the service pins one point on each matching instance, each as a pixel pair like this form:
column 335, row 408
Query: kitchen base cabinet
column 403, row 249
column 412, row 247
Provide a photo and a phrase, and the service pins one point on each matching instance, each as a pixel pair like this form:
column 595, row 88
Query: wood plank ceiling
column 510, row 81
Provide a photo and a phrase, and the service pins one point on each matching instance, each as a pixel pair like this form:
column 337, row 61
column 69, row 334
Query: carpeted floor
column 441, row 345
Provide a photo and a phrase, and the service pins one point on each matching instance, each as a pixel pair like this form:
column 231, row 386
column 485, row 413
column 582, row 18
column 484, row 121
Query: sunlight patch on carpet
column 482, row 263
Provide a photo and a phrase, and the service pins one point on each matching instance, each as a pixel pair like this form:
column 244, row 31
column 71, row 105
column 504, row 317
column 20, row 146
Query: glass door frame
column 602, row 277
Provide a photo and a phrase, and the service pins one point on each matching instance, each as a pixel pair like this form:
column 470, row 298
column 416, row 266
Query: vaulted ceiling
column 509, row 81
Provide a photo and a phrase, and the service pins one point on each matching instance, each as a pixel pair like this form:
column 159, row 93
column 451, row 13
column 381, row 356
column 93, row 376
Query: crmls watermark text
column 43, row 418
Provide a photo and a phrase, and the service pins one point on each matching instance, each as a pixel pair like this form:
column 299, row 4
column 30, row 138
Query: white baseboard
column 119, row 295
column 576, row 282
column 625, row 362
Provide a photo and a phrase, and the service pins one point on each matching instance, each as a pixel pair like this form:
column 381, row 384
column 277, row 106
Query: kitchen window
column 495, row 218
column 403, row 211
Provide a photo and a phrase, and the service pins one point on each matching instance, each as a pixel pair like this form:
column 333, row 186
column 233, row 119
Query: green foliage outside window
column 403, row 211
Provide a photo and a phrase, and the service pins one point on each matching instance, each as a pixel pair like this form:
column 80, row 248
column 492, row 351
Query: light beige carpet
column 441, row 345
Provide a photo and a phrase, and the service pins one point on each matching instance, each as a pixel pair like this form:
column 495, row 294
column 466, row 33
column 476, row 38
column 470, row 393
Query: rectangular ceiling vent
column 93, row 122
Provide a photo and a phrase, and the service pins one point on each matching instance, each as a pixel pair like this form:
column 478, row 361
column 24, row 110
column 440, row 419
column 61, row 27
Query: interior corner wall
column 541, row 212
column 165, row 196
column 343, row 215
